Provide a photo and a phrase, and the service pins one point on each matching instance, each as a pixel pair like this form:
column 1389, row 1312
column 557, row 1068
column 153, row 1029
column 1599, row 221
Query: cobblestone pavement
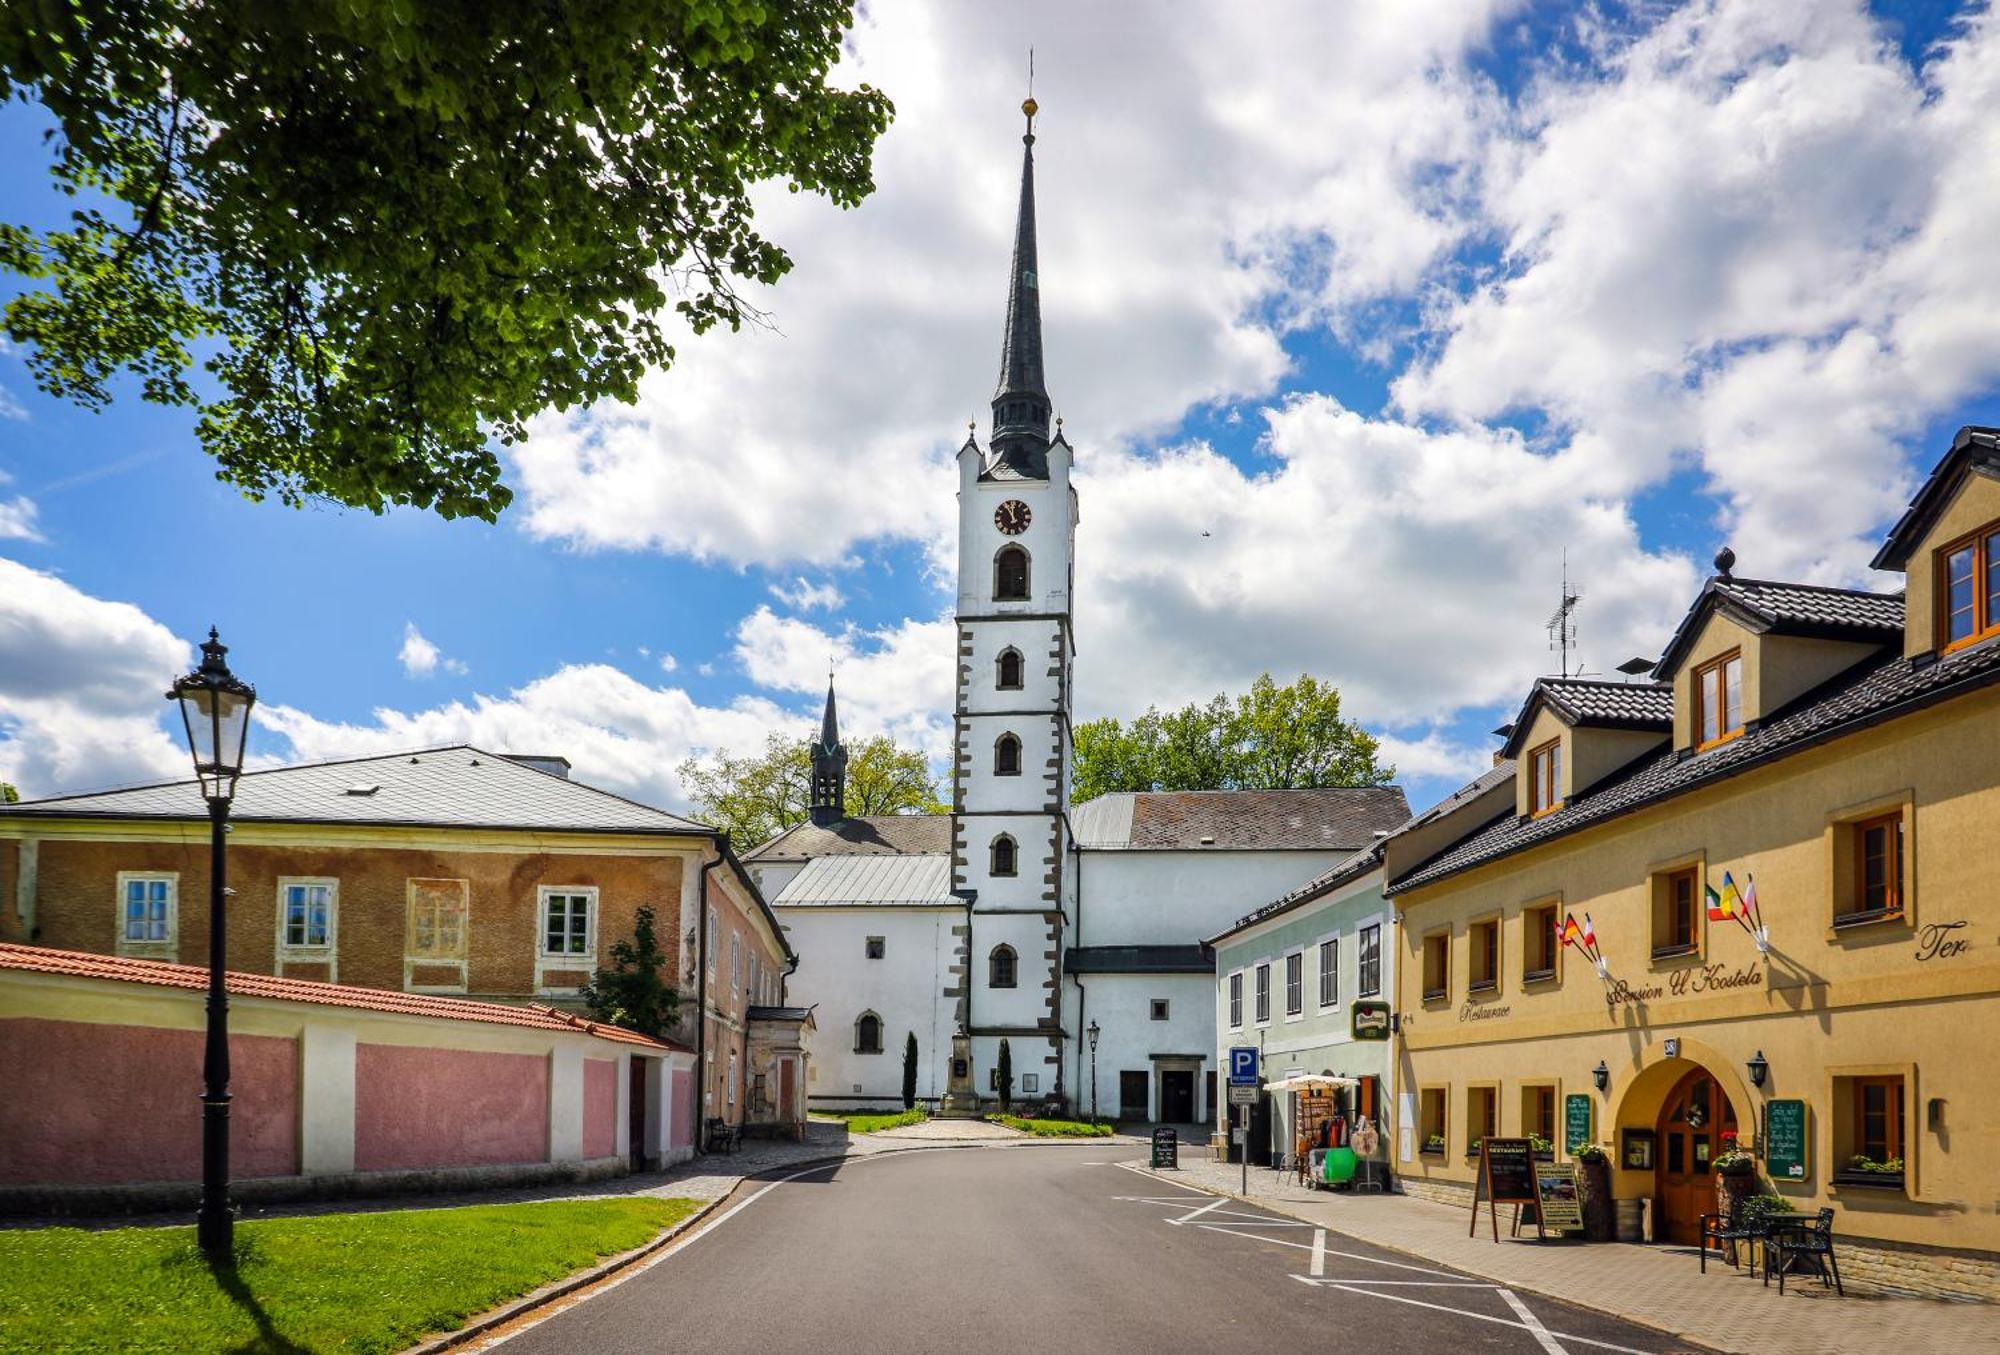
column 1662, row 1287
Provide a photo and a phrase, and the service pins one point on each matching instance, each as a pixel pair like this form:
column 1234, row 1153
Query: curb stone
column 1278, row 1207
column 517, row 1308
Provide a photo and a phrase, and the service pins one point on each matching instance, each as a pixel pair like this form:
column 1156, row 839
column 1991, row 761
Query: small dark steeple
column 829, row 768
column 1021, row 405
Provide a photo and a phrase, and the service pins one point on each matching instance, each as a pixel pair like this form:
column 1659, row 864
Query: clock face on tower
column 1012, row 517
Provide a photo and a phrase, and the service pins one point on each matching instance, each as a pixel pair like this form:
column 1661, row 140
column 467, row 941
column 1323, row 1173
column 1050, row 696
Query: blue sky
column 1397, row 307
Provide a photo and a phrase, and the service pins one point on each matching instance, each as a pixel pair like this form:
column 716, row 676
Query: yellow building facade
column 1834, row 754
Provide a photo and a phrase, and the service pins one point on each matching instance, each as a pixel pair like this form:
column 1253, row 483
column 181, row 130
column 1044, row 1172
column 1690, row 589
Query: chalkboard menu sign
column 1556, row 1200
column 1576, row 1122
column 1785, row 1154
column 1506, row 1176
column 1166, row 1148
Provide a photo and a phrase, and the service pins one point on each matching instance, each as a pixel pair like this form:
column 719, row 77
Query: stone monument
column 960, row 1101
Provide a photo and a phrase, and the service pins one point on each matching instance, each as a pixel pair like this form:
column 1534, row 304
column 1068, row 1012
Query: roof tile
column 162, row 974
column 882, row 834
column 1336, row 818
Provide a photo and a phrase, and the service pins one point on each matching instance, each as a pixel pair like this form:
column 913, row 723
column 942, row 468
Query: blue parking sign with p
column 1243, row 1066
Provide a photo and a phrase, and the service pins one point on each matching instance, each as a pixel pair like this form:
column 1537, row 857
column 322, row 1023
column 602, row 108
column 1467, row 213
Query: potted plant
column 1735, row 1179
column 1541, row 1149
column 1593, row 1177
column 1867, row 1171
column 1434, row 1144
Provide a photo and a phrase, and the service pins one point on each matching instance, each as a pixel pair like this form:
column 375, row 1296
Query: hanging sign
column 1576, row 1122
column 1370, row 1021
column 1557, row 1204
column 1785, row 1141
column 1506, row 1176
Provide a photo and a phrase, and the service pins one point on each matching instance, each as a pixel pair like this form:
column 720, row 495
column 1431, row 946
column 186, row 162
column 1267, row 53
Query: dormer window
column 1718, row 700
column 1545, row 778
column 1969, row 588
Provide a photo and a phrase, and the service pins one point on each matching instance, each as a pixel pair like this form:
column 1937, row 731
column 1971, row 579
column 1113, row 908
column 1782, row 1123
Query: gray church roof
column 1332, row 818
column 877, row 834
column 883, row 881
column 453, row 787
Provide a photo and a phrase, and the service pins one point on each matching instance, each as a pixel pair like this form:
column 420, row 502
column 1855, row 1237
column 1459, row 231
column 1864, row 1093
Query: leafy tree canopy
column 633, row 990
column 757, row 797
column 390, row 230
column 1269, row 738
column 8, row 795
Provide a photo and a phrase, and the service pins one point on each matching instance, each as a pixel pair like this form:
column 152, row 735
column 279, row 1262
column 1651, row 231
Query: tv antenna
column 1562, row 622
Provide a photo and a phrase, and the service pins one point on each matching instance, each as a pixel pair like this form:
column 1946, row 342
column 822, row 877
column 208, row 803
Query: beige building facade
column 1833, row 755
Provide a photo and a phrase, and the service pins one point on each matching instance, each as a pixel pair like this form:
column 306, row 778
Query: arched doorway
column 1693, row 1120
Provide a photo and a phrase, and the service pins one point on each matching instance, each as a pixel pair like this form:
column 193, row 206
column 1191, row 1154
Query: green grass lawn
column 339, row 1282
column 868, row 1121
column 1054, row 1129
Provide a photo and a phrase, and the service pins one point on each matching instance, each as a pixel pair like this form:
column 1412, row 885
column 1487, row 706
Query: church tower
column 1017, row 517
column 829, row 769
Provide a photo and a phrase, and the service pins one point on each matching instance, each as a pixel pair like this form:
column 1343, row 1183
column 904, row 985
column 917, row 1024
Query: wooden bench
column 723, row 1137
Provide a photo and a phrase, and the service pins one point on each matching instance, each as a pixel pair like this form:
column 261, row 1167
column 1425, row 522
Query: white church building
column 1072, row 933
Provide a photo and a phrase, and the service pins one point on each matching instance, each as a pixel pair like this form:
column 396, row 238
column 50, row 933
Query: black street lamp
column 1093, row 1033
column 215, row 707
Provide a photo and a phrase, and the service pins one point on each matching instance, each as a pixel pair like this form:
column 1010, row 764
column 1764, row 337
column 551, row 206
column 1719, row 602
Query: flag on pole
column 1719, row 905
column 1750, row 900
column 1589, row 934
column 1571, row 935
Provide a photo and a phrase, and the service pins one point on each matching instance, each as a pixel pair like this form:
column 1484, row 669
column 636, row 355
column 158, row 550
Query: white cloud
column 80, row 684
column 804, row 596
column 896, row 681
column 17, row 519
column 668, row 663
column 1177, row 198
column 420, row 658
column 11, row 407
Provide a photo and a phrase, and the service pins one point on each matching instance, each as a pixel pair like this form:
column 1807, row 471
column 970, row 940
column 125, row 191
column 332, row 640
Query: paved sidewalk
column 1659, row 1286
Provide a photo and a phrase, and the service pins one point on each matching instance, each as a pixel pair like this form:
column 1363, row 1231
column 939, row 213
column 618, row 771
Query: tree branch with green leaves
column 757, row 796
column 1269, row 738
column 365, row 239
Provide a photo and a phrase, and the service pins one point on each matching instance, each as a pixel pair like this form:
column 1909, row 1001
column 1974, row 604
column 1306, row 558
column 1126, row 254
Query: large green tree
column 391, row 231
column 633, row 991
column 758, row 796
column 1268, row 738
column 8, row 795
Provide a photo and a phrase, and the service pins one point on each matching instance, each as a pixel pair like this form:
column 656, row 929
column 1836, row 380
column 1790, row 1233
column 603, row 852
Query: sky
column 1366, row 322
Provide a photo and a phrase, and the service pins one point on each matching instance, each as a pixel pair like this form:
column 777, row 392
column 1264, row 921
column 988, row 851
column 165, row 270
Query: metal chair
column 1738, row 1225
column 1814, row 1243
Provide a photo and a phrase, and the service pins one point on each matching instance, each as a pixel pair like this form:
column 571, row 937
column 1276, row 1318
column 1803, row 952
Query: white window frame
column 1261, row 993
column 328, row 952
column 1031, row 1084
column 1322, row 973
column 713, row 922
column 1233, row 999
column 564, row 962
column 166, row 948
column 729, row 1082
column 1295, row 1013
column 735, row 965
column 1361, row 988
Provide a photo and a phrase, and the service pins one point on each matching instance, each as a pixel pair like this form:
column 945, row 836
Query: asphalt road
column 1046, row 1248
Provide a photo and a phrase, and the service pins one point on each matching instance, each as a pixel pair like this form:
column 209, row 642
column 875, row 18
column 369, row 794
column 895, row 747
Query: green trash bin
column 1339, row 1166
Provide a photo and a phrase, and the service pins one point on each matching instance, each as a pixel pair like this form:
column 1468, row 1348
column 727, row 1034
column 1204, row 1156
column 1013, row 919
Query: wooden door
column 1134, row 1094
column 786, row 1112
column 635, row 1119
column 1692, row 1122
column 1177, row 1096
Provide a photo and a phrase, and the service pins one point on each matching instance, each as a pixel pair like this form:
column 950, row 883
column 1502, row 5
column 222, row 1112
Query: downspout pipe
column 701, row 996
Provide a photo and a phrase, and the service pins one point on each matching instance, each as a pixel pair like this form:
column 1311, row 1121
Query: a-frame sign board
column 1506, row 1176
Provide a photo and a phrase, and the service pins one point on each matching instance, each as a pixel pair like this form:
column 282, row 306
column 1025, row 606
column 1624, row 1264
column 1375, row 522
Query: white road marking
column 1216, row 1203
column 1339, row 1280
column 1532, row 1323
column 1319, row 1253
column 1483, row 1317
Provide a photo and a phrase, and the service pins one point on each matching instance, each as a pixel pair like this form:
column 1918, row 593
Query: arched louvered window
column 1001, row 968
column 1005, row 856
column 1007, row 756
column 1010, row 575
column 1010, row 670
column 868, row 1034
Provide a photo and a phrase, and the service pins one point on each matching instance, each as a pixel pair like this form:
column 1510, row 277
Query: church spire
column 1021, row 404
column 829, row 767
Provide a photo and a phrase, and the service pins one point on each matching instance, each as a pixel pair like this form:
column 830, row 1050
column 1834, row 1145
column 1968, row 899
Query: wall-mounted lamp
column 1601, row 1075
column 1934, row 1115
column 1760, row 1068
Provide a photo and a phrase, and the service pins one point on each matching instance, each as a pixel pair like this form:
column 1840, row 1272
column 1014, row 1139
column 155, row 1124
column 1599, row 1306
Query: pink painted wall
column 680, row 1129
column 89, row 1104
column 600, row 1108
column 418, row 1108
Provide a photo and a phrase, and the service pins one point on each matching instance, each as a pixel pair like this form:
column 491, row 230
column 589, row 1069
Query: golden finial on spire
column 1028, row 105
